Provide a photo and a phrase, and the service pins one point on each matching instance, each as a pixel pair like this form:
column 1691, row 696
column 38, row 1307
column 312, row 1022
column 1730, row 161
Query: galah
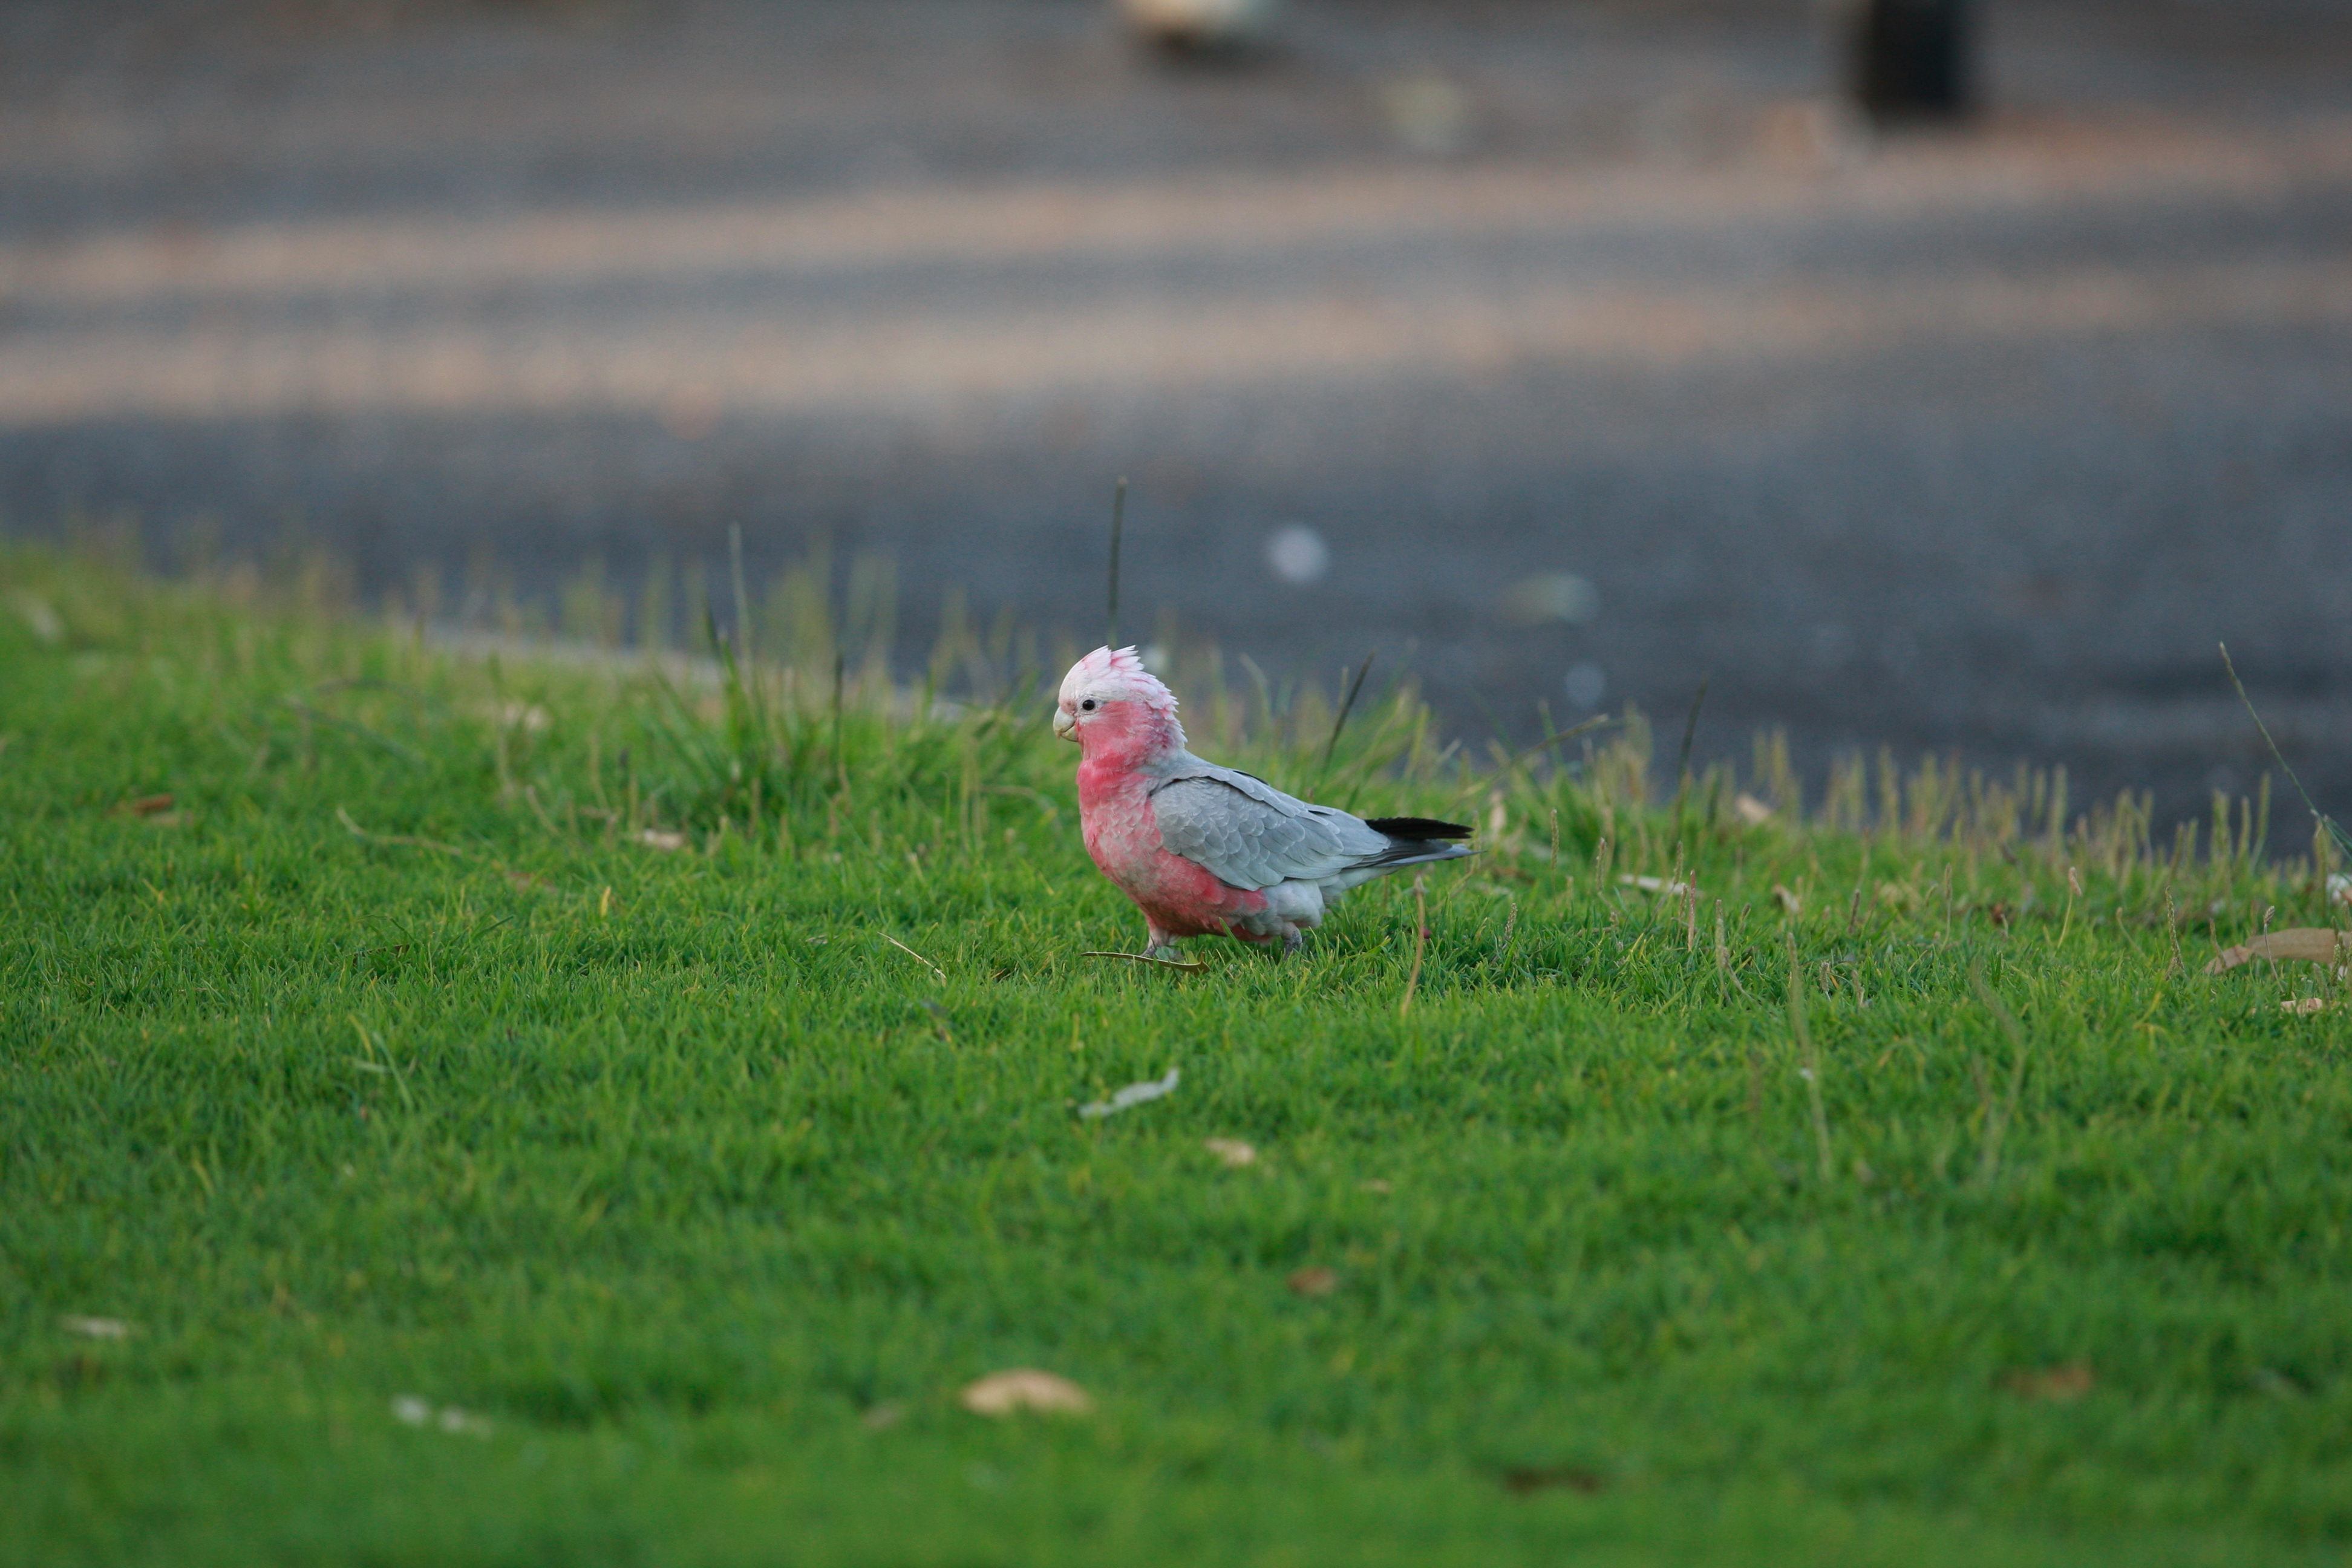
column 1205, row 850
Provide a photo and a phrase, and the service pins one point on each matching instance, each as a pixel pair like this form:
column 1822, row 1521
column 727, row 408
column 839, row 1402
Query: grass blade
column 2335, row 829
column 1118, row 520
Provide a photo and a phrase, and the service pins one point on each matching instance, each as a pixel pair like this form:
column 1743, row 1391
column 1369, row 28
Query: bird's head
column 1110, row 700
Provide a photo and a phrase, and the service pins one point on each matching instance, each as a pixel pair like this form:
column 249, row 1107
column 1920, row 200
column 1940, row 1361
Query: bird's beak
column 1066, row 724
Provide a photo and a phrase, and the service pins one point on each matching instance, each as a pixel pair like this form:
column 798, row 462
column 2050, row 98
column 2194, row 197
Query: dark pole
column 1910, row 62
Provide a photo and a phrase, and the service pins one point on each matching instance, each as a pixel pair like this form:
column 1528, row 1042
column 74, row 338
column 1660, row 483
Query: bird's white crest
column 1109, row 675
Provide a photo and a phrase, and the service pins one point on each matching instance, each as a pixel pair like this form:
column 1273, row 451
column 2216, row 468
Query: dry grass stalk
column 1809, row 1066
column 1420, row 942
column 918, row 957
column 1181, row 965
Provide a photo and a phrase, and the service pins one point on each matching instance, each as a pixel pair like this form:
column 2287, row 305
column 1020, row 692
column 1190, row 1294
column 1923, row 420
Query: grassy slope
column 673, row 1169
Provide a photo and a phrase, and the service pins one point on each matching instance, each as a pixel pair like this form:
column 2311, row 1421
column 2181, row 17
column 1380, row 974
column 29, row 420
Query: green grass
column 708, row 1199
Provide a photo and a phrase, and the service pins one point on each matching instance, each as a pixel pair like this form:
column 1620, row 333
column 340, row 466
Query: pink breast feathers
column 1177, row 897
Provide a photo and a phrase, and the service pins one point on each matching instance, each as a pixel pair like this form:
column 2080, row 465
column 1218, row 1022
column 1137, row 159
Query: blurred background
column 1948, row 376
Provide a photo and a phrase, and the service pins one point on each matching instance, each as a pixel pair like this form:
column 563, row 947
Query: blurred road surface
column 1566, row 353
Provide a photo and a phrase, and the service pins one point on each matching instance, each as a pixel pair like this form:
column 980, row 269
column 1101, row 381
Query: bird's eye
column 1089, row 705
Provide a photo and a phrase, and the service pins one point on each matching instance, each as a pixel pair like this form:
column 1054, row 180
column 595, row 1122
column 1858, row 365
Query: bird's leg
column 1158, row 943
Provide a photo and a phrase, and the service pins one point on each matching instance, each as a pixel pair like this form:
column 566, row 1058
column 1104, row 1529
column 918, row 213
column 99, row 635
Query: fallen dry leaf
column 1750, row 810
column 1785, row 899
column 524, row 883
column 1378, row 1185
column 2061, row 1384
column 1536, row 1478
column 2313, row 944
column 2305, row 1006
column 1655, row 884
column 1231, row 1150
column 882, row 1416
column 409, row 1410
column 1133, row 1094
column 663, row 839
column 1002, row 1393
column 145, row 806
column 1313, row 1282
column 96, row 1328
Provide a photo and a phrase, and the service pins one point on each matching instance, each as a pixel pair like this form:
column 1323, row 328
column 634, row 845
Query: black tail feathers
column 1416, row 828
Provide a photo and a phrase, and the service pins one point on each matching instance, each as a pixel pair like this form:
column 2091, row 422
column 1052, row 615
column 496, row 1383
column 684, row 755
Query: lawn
column 518, row 1108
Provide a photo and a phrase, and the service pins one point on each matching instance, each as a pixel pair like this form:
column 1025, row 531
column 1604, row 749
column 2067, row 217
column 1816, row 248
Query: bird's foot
column 1293, row 941
column 1161, row 948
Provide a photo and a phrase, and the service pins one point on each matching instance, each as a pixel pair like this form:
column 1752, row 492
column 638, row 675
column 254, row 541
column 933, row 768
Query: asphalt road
column 1567, row 353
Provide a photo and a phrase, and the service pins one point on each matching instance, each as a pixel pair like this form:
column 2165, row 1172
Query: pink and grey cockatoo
column 1205, row 850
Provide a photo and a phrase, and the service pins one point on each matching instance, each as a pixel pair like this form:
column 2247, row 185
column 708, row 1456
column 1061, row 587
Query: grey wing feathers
column 1250, row 834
